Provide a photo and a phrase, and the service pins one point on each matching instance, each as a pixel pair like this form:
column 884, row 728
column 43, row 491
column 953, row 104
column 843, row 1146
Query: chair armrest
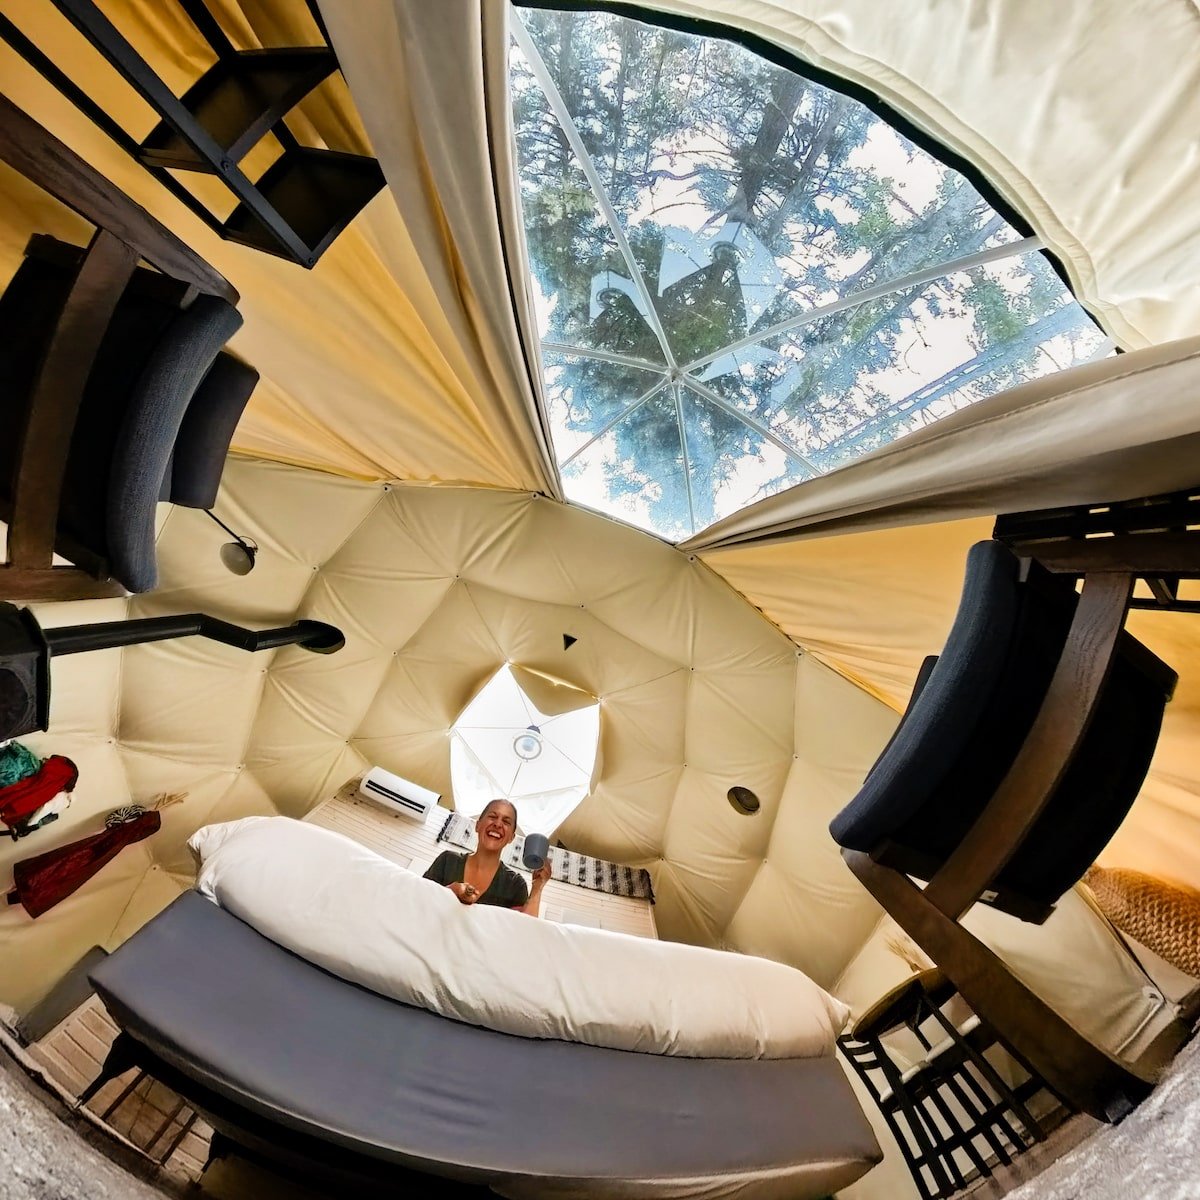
column 145, row 443
column 207, row 430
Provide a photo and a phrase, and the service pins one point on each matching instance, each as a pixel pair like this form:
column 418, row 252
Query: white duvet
column 355, row 914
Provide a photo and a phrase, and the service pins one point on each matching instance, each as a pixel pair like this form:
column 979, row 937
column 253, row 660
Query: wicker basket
column 1162, row 916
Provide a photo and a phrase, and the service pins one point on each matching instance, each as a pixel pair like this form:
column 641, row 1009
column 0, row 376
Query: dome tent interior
column 399, row 471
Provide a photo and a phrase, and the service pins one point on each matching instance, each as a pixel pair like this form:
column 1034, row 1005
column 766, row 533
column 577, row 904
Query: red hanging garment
column 44, row 880
column 19, row 800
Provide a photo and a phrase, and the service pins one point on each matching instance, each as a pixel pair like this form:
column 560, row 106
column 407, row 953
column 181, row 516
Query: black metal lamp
column 238, row 556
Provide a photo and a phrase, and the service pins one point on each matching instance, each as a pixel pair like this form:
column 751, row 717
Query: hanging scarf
column 20, row 800
column 16, row 763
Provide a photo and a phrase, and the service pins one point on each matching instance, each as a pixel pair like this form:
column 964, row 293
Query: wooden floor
column 139, row 1108
column 1034, row 1161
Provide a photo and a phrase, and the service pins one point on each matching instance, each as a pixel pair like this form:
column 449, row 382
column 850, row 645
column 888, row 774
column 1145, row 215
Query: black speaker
column 24, row 673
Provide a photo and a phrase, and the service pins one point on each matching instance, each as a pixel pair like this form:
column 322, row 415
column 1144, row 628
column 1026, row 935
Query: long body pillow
column 355, row 914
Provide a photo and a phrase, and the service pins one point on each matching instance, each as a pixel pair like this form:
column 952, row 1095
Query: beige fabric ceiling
column 435, row 588
column 400, row 358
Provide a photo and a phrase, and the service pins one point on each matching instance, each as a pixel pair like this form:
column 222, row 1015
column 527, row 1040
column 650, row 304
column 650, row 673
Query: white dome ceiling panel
column 679, row 914
column 301, row 776
column 198, row 697
column 838, row 732
column 204, row 788
column 601, row 660
column 703, row 824
column 694, row 905
column 193, row 578
column 644, row 723
column 752, row 710
column 313, row 701
column 409, row 699
column 157, row 888
column 354, row 601
column 384, row 547
column 541, row 557
column 726, row 737
column 85, row 696
column 466, row 531
column 782, row 919
column 714, row 851
column 802, row 854
column 716, row 630
column 423, row 757
column 283, row 724
column 623, row 820
column 299, row 516
column 448, row 659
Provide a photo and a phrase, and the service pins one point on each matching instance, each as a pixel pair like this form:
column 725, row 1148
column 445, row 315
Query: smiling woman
column 481, row 878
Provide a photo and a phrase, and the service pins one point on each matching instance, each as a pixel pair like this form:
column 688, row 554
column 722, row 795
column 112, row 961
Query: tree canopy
column 745, row 278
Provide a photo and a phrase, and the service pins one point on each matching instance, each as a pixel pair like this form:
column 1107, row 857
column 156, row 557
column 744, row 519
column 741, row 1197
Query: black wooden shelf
column 317, row 192
column 237, row 102
column 306, row 197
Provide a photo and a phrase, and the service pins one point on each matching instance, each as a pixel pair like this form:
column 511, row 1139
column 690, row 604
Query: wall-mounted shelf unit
column 303, row 200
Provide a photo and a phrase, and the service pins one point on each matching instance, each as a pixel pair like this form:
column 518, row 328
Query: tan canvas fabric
column 447, row 154
column 1116, row 429
column 383, row 361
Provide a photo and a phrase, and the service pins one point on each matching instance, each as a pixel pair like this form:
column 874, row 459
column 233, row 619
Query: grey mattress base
column 344, row 1072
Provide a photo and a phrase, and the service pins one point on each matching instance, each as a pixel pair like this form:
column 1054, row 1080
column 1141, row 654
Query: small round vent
column 743, row 800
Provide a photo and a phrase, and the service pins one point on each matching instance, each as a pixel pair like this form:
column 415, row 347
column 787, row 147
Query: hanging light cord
column 237, row 537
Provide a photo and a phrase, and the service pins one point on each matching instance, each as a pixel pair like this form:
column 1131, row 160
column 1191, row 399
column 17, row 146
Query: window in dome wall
column 744, row 279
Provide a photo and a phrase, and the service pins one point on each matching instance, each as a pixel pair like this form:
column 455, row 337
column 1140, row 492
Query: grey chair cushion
column 146, row 438
column 207, row 430
column 945, row 714
column 149, row 364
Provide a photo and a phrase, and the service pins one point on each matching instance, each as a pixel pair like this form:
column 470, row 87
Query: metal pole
column 316, row 636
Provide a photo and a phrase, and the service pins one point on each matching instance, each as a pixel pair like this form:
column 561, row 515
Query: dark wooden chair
column 115, row 389
column 1022, row 750
column 952, row 1115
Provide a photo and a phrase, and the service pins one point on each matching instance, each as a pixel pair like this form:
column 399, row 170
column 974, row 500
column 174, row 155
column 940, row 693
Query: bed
column 295, row 1063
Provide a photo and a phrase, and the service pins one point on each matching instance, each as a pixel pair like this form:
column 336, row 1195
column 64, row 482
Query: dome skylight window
column 744, row 279
column 526, row 738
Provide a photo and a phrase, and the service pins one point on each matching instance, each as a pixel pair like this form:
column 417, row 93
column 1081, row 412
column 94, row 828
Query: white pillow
column 355, row 914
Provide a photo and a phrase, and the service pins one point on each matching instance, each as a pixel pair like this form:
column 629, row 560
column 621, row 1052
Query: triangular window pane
column 732, row 464
column 586, row 395
column 583, row 290
column 635, row 471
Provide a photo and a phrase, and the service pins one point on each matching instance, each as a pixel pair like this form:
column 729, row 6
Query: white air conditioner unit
column 397, row 795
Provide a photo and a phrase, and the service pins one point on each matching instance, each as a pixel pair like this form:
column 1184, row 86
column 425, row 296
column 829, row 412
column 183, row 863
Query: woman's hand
column 541, row 876
column 466, row 893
